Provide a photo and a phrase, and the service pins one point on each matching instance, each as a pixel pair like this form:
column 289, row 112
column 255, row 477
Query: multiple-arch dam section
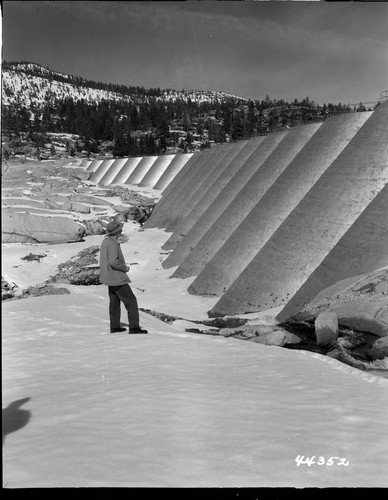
column 273, row 220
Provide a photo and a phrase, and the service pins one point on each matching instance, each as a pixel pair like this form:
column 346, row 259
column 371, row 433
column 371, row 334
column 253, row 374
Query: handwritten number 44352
column 309, row 461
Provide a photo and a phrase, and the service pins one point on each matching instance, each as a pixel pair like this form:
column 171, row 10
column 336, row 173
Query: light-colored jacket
column 112, row 264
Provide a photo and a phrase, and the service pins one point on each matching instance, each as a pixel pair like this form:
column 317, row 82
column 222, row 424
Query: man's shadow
column 14, row 418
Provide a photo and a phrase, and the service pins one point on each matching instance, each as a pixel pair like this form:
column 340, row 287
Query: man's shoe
column 117, row 330
column 137, row 330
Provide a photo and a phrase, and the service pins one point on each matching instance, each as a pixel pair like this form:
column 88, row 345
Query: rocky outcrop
column 79, row 174
column 137, row 213
column 345, row 357
column 93, row 227
column 23, row 227
column 128, row 196
column 42, row 289
column 8, row 289
column 364, row 315
column 34, row 257
column 277, row 337
column 13, row 291
column 47, row 187
column 360, row 303
column 379, row 349
column 81, row 269
column 261, row 334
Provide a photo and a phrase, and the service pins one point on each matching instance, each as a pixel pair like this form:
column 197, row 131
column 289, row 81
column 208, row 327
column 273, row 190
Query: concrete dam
column 273, row 220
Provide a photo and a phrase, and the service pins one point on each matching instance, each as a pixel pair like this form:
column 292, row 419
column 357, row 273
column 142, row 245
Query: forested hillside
column 51, row 114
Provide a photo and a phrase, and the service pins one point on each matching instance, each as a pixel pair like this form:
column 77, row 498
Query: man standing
column 113, row 271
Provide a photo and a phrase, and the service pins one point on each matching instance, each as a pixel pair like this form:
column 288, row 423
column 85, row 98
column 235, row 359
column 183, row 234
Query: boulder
column 326, row 328
column 360, row 302
column 379, row 348
column 247, row 331
column 93, row 227
column 278, row 338
column 127, row 210
column 364, row 315
column 80, row 174
column 120, row 218
column 32, row 228
column 361, row 314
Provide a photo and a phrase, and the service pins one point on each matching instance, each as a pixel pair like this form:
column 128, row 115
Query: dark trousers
column 124, row 294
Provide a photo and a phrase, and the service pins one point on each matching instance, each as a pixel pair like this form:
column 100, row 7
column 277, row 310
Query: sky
column 171, row 409
column 327, row 51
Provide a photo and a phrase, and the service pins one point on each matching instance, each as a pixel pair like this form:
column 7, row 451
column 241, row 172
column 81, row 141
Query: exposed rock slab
column 32, row 228
column 91, row 200
column 74, row 206
column 22, row 202
column 360, row 303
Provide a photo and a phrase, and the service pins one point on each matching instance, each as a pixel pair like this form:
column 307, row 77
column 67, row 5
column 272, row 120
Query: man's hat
column 114, row 228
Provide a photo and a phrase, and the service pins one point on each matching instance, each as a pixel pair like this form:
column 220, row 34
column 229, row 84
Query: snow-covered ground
column 86, row 408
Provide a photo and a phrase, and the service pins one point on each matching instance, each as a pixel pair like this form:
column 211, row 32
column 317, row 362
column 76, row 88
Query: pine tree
column 120, row 147
column 162, row 144
column 142, row 146
column 135, row 120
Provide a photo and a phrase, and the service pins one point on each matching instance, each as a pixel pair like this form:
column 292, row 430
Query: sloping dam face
column 292, row 218
column 196, row 179
column 112, row 171
column 209, row 190
column 255, row 188
column 362, row 249
column 195, row 246
column 203, row 184
column 313, row 246
column 101, row 170
column 271, row 221
column 155, row 172
column 172, row 170
column 260, row 223
column 141, row 169
column 173, row 191
column 93, row 165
